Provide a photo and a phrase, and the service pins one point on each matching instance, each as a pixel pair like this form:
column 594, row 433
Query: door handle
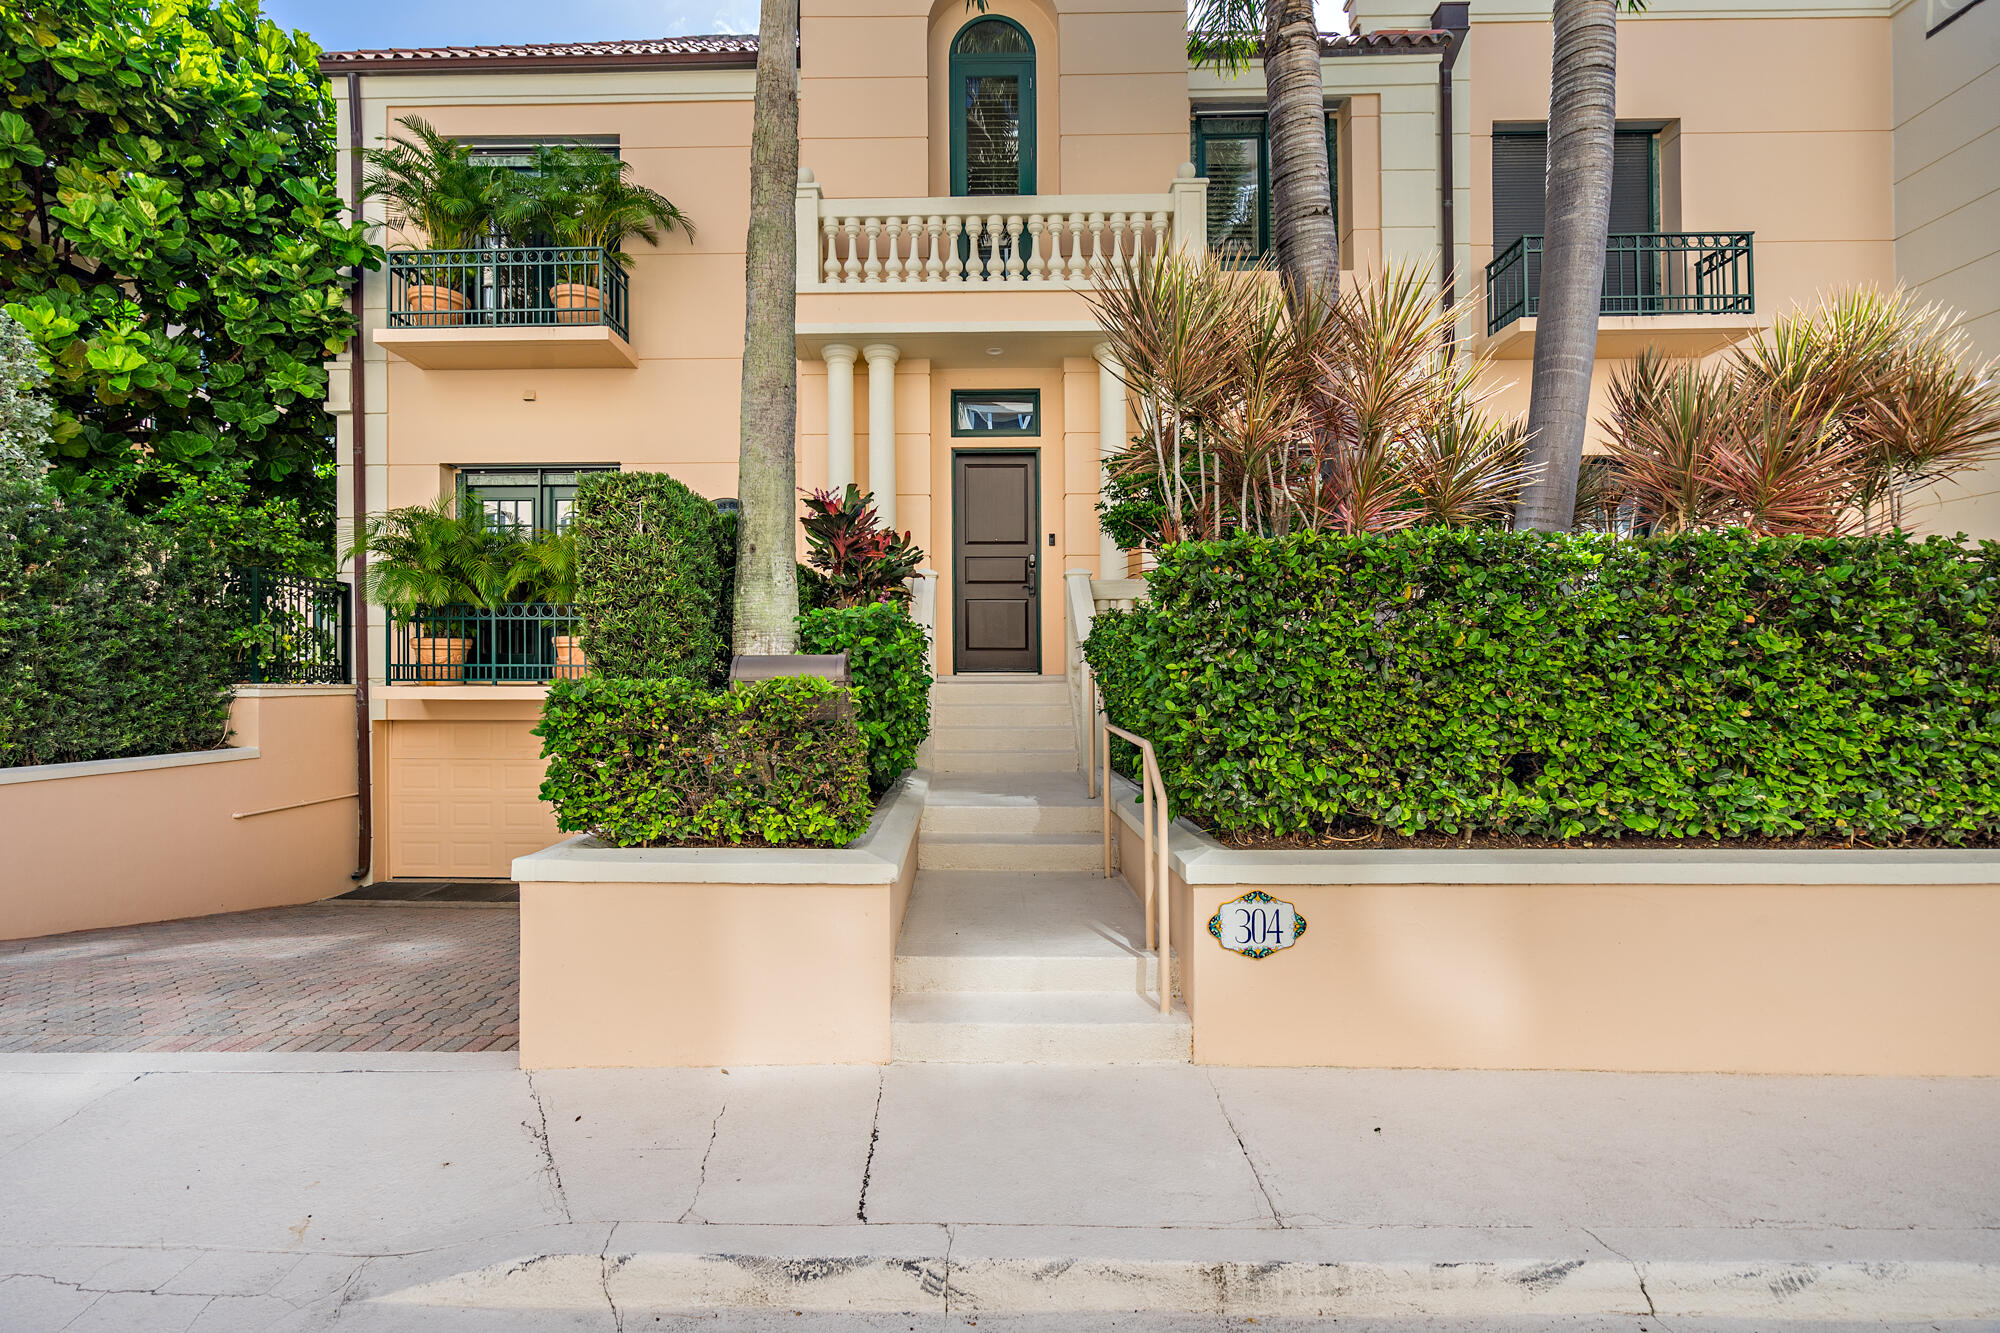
column 1031, row 571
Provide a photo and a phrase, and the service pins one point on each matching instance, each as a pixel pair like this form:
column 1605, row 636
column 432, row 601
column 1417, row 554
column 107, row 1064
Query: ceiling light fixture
column 994, row 351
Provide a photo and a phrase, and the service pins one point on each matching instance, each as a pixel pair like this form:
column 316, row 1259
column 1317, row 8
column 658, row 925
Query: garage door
column 462, row 799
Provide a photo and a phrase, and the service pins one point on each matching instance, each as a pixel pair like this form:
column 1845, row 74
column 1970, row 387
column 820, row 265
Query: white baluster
column 892, row 233
column 1014, row 248
column 913, row 267
column 1117, row 239
column 1038, row 239
column 1074, row 271
column 852, row 270
column 934, row 263
column 1096, row 244
column 954, row 267
column 975, row 266
column 1159, row 233
column 873, row 266
column 831, row 226
column 995, row 262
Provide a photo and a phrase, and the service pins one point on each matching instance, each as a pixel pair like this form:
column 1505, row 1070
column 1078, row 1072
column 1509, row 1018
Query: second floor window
column 992, row 109
column 1233, row 150
column 526, row 500
column 1520, row 183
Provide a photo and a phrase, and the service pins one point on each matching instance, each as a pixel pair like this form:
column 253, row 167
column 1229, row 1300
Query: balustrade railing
column 1022, row 241
column 510, row 287
column 1645, row 273
column 519, row 644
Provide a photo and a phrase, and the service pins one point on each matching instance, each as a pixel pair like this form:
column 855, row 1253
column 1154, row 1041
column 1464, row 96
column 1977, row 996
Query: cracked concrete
column 269, row 1192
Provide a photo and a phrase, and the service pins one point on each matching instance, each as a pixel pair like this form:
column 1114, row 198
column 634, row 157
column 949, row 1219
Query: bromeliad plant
column 1822, row 426
column 1345, row 414
column 863, row 562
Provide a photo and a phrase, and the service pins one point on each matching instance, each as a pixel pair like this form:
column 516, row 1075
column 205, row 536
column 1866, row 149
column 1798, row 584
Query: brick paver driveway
column 324, row 977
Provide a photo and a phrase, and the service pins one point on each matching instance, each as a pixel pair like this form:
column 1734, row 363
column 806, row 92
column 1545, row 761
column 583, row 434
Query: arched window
column 992, row 108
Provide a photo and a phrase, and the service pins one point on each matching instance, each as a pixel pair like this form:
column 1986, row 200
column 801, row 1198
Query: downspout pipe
column 357, row 372
column 1455, row 19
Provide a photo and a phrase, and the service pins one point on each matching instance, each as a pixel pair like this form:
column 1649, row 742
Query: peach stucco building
column 964, row 167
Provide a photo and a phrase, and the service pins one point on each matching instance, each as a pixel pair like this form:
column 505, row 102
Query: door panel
column 463, row 799
column 998, row 578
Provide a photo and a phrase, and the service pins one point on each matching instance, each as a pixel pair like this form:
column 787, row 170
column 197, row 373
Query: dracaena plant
column 862, row 561
column 1266, row 415
column 1824, row 425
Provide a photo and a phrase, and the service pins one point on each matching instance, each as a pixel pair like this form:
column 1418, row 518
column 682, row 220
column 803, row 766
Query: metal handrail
column 1645, row 274
column 1157, row 892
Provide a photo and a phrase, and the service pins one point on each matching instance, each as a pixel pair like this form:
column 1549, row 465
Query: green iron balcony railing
column 1645, row 273
column 290, row 629
column 516, row 644
column 515, row 287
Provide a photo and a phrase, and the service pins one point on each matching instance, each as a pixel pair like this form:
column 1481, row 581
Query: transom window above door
column 524, row 499
column 992, row 98
column 1009, row 412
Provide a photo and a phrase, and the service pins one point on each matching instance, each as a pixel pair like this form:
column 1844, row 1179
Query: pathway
column 323, row 977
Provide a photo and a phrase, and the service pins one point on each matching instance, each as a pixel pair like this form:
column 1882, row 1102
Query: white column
column 839, row 358
column 1110, row 442
column 882, row 428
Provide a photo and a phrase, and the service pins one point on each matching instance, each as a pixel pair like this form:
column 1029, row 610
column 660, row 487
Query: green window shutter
column 1520, row 184
column 992, row 92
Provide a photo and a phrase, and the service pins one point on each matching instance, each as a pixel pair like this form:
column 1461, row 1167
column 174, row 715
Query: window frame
column 1198, row 143
column 545, row 498
column 1539, row 130
column 1032, row 395
column 960, row 67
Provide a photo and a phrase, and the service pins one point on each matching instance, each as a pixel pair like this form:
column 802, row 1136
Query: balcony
column 1688, row 293
column 507, row 645
column 513, row 308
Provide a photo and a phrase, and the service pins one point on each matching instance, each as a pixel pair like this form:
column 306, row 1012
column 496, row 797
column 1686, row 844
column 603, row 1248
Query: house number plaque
column 1256, row 925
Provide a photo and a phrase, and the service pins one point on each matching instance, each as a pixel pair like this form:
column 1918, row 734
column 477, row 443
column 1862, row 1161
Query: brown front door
column 997, row 624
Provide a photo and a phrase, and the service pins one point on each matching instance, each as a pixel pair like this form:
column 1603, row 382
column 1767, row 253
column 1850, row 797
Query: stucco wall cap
column 137, row 764
column 878, row 856
column 1199, row 859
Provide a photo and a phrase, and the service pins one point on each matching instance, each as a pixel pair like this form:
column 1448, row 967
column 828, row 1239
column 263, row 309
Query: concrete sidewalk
column 378, row 1191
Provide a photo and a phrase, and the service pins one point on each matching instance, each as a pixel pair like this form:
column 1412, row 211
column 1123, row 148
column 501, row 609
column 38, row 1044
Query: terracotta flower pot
column 435, row 307
column 576, row 303
column 441, row 661
column 570, row 661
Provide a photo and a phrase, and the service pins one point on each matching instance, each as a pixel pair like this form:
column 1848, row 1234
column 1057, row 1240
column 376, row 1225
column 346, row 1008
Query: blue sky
column 347, row 25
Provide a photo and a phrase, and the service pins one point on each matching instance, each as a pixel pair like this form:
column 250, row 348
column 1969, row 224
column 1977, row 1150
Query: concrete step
column 1028, row 974
column 1004, row 761
column 947, row 715
column 1010, row 803
column 1010, row 851
column 970, row 930
column 1013, row 691
column 1068, row 1028
column 1023, row 737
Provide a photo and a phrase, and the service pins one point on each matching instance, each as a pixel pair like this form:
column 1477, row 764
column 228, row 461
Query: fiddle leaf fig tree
column 172, row 238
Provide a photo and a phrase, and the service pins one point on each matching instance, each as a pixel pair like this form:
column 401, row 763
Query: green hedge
column 1460, row 681
column 643, row 763
column 115, row 640
column 888, row 662
column 652, row 582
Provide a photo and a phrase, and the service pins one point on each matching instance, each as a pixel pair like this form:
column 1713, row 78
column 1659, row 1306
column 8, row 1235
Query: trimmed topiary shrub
column 888, row 664
column 115, row 640
column 1456, row 682
column 648, row 763
column 652, row 585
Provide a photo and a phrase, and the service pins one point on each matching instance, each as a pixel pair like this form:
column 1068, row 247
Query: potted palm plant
column 429, row 562
column 551, row 559
column 430, row 182
column 583, row 198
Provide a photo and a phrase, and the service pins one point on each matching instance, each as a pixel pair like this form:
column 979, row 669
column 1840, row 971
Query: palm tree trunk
column 1582, row 120
column 1304, row 230
column 767, row 588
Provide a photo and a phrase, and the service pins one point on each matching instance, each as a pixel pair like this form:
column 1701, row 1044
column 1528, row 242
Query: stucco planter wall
column 715, row 956
column 1811, row 962
column 267, row 822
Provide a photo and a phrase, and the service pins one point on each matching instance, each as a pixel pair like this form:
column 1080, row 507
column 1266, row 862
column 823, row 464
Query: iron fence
column 292, row 630
column 507, row 287
column 1645, row 273
column 523, row 643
